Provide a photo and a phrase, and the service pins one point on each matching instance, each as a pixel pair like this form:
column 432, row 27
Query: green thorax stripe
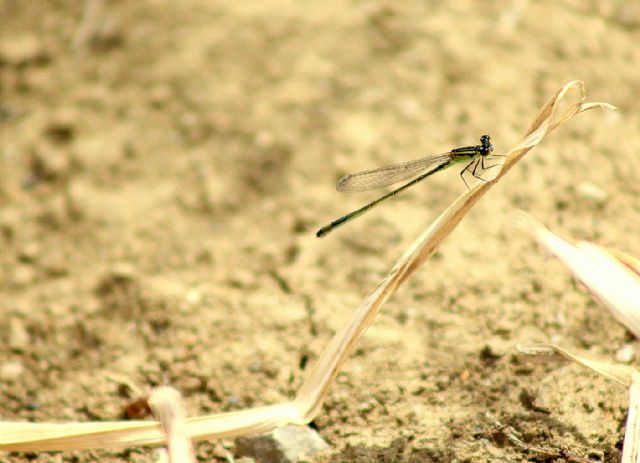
column 464, row 154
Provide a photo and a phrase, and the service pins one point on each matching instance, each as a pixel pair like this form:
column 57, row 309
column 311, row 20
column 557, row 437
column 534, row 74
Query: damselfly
column 384, row 176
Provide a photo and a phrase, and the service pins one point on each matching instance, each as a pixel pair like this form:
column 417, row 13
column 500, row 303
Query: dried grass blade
column 120, row 434
column 630, row 261
column 631, row 446
column 609, row 280
column 620, row 373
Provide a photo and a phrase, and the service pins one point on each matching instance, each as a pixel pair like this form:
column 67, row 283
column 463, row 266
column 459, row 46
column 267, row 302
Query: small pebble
column 11, row 371
column 556, row 339
column 9, row 221
column 242, row 279
column 20, row 50
column 255, row 367
column 289, row 444
column 18, row 334
column 366, row 407
column 191, row 384
column 23, row 275
column 122, row 271
column 160, row 95
column 34, row 405
column 591, row 192
column 264, row 138
column 410, row 108
column 61, row 128
column 193, row 297
column 625, row 354
column 30, row 252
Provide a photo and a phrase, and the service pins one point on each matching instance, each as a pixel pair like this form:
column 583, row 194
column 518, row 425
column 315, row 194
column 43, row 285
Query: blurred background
column 164, row 167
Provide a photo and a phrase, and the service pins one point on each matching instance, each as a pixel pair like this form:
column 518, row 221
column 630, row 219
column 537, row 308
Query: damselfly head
column 485, row 145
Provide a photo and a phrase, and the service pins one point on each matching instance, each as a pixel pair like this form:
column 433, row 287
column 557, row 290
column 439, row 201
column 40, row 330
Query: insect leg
column 466, row 169
column 479, row 162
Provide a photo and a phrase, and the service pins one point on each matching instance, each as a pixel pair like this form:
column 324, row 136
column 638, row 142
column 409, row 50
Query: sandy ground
column 164, row 167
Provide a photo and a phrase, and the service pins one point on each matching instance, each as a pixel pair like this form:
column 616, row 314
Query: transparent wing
column 384, row 176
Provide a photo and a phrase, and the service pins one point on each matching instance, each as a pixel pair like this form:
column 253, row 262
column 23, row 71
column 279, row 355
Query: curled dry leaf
column 609, row 276
column 48, row 436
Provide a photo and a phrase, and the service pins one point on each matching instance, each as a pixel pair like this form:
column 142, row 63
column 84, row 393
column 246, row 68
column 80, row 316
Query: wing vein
column 383, row 176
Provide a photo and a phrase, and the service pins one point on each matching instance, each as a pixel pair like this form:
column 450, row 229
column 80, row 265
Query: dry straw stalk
column 168, row 408
column 612, row 277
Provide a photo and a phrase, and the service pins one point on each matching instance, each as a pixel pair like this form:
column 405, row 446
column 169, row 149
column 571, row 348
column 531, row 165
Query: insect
column 388, row 175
